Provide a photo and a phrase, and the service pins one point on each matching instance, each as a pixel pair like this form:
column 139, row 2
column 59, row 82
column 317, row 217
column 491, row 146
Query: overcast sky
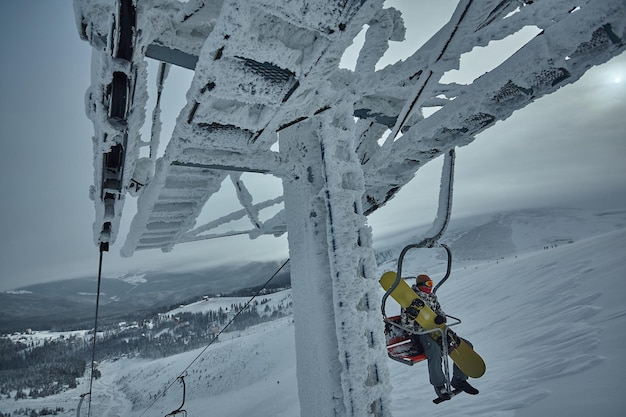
column 567, row 149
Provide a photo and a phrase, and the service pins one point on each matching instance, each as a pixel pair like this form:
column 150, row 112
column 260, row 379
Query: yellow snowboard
column 459, row 351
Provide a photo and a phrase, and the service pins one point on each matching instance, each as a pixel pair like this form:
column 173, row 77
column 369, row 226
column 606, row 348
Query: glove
column 417, row 303
column 440, row 319
column 412, row 312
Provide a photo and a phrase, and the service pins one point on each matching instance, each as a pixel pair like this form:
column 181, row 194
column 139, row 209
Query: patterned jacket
column 430, row 300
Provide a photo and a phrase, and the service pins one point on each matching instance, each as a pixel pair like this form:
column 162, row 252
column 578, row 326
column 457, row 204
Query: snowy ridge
column 520, row 231
column 134, row 279
column 548, row 323
column 273, row 300
column 501, row 235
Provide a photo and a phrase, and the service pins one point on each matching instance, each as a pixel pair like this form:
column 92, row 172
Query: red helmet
column 424, row 283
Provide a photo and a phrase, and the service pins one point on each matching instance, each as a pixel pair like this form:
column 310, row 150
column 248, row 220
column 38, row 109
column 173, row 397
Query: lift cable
column 241, row 310
column 104, row 247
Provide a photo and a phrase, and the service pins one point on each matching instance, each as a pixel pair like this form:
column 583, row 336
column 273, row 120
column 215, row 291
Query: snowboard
column 461, row 353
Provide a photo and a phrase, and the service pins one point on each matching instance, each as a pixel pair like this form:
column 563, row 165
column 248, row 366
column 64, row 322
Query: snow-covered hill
column 62, row 302
column 499, row 235
column 271, row 301
column 548, row 317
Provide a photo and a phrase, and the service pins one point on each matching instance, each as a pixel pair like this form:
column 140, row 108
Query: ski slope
column 549, row 323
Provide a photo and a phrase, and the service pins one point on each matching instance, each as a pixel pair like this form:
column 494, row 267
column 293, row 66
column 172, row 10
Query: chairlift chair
column 400, row 347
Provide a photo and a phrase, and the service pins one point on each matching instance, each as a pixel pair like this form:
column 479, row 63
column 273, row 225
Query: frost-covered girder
column 572, row 40
column 254, row 81
column 263, row 66
column 114, row 103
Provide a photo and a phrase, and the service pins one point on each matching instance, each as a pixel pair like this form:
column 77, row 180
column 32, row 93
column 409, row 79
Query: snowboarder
column 432, row 348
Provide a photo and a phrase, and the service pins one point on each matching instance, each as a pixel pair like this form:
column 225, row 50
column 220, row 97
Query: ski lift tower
column 268, row 97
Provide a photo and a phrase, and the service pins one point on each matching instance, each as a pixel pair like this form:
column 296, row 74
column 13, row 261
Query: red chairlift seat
column 400, row 347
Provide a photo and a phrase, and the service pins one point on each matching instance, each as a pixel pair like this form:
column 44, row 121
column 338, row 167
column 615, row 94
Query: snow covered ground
column 549, row 321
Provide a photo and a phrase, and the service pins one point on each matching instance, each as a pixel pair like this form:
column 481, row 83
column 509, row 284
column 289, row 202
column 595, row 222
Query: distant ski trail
column 109, row 400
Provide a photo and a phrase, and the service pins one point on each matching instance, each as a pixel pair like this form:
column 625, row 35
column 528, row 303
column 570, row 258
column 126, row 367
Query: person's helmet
column 424, row 283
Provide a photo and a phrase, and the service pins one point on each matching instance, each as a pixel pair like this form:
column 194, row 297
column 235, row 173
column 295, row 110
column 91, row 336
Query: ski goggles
column 428, row 283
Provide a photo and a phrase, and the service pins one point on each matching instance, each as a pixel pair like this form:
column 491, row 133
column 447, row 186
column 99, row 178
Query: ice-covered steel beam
column 263, row 64
column 171, row 56
column 121, row 33
column 114, row 104
column 570, row 44
column 256, row 80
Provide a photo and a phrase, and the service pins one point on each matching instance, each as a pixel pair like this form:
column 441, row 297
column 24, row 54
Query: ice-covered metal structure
column 268, row 96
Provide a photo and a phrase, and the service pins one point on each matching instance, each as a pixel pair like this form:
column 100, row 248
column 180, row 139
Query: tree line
column 27, row 370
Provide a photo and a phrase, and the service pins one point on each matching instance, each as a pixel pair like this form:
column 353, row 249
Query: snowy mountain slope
column 520, row 231
column 258, row 366
column 549, row 323
column 63, row 302
column 541, row 316
column 273, row 300
column 497, row 235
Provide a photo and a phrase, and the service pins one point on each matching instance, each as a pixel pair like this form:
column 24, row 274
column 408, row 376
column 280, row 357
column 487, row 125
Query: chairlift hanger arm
column 426, row 243
column 180, row 410
column 448, row 268
column 438, row 228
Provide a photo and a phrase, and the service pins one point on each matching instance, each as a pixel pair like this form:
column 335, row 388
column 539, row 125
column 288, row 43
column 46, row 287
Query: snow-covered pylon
column 333, row 274
column 267, row 71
